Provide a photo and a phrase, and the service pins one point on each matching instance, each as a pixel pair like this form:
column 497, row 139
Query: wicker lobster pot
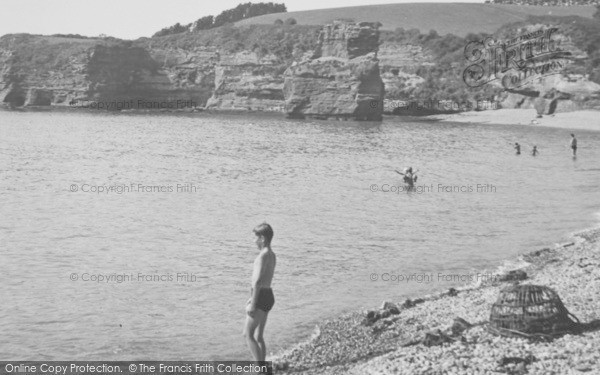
column 530, row 310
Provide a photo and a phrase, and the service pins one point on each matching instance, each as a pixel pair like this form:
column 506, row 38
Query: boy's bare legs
column 253, row 322
column 259, row 338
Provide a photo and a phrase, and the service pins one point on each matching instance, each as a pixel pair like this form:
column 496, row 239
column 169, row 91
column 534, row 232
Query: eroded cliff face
column 54, row 71
column 341, row 79
column 399, row 64
column 93, row 73
column 245, row 81
column 340, row 71
column 41, row 71
column 184, row 73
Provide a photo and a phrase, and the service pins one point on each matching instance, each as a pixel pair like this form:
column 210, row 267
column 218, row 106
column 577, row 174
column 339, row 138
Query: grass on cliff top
column 38, row 54
column 446, row 18
column 286, row 42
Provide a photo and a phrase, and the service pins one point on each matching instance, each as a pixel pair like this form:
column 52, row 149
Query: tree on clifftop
column 175, row 29
column 248, row 10
column 241, row 12
column 203, row 23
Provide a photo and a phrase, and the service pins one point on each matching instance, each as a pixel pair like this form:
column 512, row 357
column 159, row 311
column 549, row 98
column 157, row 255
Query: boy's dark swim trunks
column 266, row 299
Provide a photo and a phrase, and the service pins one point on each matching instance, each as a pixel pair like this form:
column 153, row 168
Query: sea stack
column 341, row 80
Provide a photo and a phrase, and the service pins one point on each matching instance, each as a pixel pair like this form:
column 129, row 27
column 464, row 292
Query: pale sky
column 131, row 19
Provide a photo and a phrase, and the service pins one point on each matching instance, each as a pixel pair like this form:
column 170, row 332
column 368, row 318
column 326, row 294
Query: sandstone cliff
column 216, row 68
column 399, row 64
column 37, row 71
column 244, row 81
column 341, row 79
column 55, row 71
column 338, row 70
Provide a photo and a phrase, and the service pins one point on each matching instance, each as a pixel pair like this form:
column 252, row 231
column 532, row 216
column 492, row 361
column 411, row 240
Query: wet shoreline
column 356, row 343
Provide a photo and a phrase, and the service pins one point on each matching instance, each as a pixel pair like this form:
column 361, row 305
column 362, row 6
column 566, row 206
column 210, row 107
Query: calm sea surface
column 177, row 262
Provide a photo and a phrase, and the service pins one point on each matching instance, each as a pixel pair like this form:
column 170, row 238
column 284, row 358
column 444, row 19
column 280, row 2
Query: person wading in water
column 410, row 177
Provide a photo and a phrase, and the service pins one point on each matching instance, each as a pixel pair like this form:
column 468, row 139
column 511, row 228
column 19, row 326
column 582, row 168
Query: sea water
column 130, row 236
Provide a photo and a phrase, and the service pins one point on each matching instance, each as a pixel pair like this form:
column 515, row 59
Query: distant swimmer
column 518, row 148
column 574, row 144
column 262, row 298
column 413, row 175
column 410, row 177
column 534, row 152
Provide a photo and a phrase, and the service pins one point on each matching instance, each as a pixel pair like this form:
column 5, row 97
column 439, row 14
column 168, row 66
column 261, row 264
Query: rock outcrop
column 341, row 79
column 557, row 93
column 246, row 82
column 39, row 97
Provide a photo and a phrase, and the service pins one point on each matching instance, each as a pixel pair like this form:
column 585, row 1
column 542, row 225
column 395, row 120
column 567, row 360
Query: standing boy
column 262, row 299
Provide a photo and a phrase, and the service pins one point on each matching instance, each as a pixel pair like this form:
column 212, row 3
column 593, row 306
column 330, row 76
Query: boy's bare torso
column 264, row 268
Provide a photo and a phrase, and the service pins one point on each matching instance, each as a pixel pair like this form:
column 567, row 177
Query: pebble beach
column 389, row 339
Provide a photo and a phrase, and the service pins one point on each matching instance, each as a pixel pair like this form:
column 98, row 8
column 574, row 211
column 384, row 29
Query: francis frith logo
column 517, row 61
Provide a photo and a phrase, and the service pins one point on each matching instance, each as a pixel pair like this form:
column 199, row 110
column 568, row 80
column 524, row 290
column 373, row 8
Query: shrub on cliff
column 248, row 10
column 175, row 29
column 442, row 81
column 287, row 43
column 74, row 36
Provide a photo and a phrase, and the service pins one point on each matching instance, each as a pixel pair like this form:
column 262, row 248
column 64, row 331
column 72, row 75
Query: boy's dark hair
column 264, row 230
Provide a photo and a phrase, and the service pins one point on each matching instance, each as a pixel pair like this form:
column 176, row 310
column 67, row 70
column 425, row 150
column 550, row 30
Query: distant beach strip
column 584, row 120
